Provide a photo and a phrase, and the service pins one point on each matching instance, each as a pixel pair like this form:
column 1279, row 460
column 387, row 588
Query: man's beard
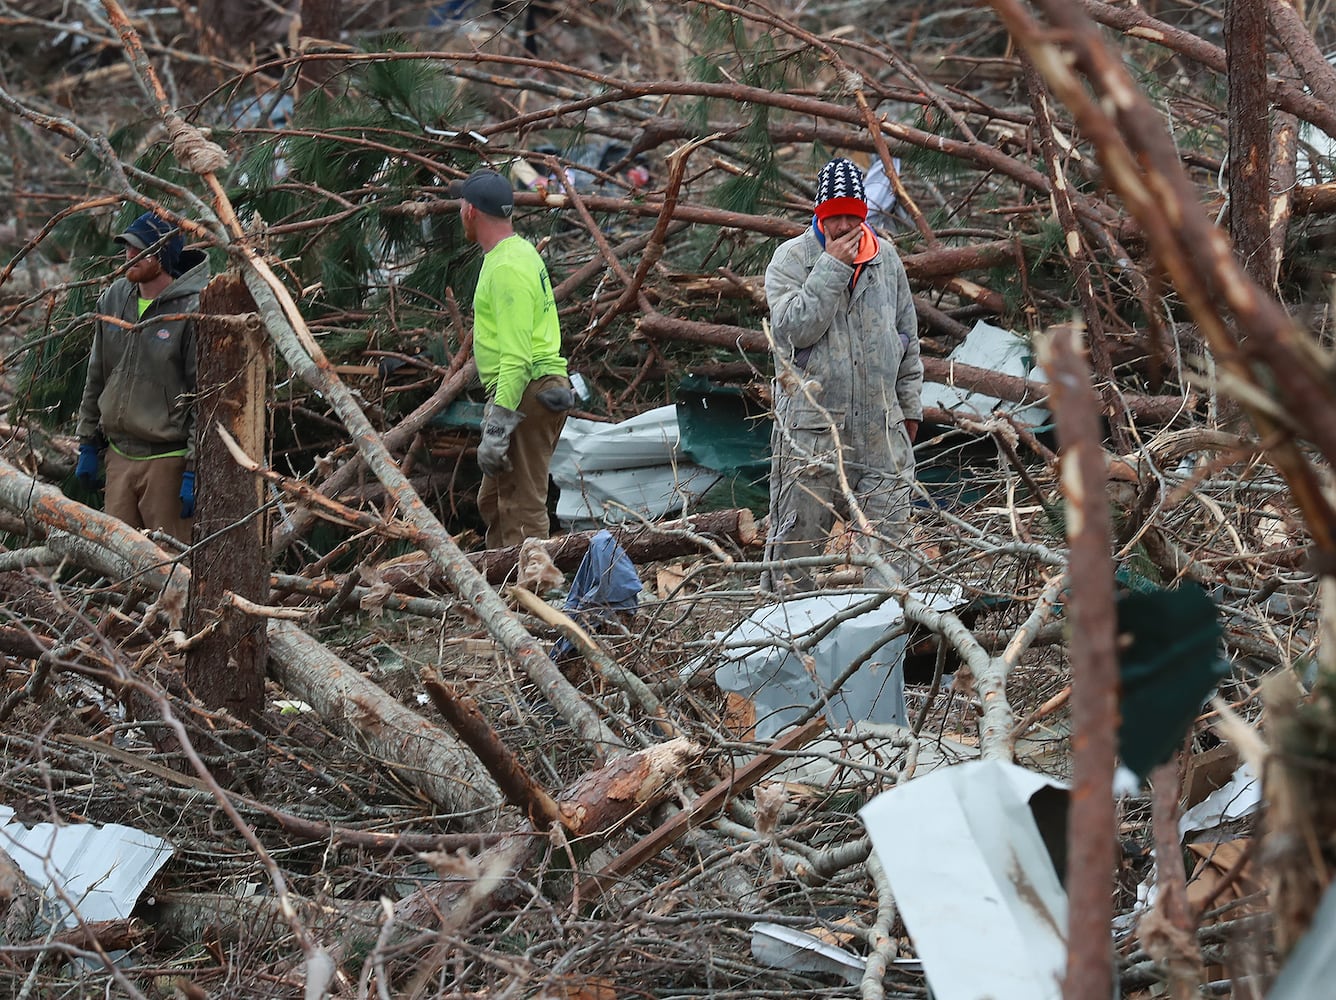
column 144, row 269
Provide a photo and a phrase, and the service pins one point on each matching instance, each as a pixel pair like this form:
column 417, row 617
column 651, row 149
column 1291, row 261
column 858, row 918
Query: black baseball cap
column 487, row 191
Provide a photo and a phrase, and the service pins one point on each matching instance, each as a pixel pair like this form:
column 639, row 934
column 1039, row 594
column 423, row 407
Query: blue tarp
column 606, row 582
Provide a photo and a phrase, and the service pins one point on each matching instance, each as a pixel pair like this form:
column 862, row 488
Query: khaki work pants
column 513, row 505
column 146, row 493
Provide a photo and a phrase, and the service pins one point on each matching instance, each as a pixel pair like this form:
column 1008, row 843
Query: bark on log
column 50, row 455
column 426, row 756
column 1319, row 199
column 595, row 805
column 643, row 543
column 1148, row 409
column 21, row 642
column 602, row 800
column 192, row 917
column 225, row 669
column 1249, row 138
column 108, row 935
column 91, row 553
column 511, row 776
column 715, row 799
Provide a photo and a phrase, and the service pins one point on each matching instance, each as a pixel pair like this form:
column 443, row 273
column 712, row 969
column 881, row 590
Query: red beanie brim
column 832, row 207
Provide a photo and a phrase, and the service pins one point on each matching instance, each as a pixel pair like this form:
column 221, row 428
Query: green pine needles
column 341, row 182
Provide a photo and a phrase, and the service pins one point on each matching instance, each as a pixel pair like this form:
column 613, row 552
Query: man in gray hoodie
column 847, row 373
column 138, row 404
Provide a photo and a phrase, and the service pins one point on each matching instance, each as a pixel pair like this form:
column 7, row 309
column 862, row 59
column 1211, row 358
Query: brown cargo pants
column 146, row 492
column 513, row 505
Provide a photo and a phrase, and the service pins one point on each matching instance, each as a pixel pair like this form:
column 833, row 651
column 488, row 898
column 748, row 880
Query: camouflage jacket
column 853, row 354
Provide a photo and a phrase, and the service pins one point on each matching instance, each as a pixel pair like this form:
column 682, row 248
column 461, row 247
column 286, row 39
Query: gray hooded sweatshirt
column 140, row 393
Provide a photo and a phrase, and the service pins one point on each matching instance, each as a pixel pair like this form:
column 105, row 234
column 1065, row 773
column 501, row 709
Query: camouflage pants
column 806, row 497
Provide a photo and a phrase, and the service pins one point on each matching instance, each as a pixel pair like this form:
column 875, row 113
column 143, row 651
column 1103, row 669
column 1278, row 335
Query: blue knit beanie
column 150, row 231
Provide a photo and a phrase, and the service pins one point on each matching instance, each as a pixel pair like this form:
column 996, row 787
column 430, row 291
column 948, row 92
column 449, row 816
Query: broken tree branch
column 1091, row 842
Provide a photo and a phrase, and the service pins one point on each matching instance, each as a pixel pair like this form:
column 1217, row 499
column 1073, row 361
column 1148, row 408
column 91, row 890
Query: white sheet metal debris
column 998, row 350
column 592, row 499
column 973, row 881
column 783, row 947
column 1240, row 796
column 762, row 663
column 647, row 439
column 610, row 473
column 99, row 870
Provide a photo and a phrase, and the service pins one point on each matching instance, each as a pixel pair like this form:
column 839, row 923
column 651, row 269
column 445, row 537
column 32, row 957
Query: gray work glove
column 557, row 398
column 498, row 424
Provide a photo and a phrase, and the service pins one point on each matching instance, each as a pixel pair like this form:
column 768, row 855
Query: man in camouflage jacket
column 847, row 371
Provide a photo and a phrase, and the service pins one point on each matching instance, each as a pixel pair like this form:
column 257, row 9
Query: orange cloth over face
column 867, row 249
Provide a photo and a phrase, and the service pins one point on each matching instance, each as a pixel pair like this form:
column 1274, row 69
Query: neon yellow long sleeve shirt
column 516, row 335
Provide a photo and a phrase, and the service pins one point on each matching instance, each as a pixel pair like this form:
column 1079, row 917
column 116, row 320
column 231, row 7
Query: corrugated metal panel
column 101, row 870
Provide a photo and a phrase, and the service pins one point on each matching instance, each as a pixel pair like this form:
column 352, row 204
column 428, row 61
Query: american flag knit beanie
column 839, row 190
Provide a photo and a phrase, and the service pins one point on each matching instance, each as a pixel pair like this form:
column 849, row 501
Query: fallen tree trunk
column 596, row 804
column 1011, row 388
column 426, row 756
column 431, row 759
column 643, row 543
column 94, row 539
column 227, row 917
column 737, row 783
column 510, row 774
column 21, row 642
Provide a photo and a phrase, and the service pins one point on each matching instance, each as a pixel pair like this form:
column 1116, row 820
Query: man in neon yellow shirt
column 139, row 401
column 517, row 346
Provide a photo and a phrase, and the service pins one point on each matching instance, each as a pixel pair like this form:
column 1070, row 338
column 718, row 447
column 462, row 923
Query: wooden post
column 226, row 668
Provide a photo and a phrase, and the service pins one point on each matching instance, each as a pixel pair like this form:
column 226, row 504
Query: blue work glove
column 187, row 494
column 86, row 469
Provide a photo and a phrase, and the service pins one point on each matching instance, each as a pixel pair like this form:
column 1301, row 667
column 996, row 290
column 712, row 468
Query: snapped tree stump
column 226, row 667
